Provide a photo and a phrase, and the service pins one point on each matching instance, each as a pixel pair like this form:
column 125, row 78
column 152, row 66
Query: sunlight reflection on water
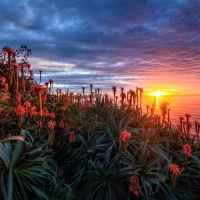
column 178, row 105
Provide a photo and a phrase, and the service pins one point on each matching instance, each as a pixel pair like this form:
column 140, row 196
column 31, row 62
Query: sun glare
column 158, row 93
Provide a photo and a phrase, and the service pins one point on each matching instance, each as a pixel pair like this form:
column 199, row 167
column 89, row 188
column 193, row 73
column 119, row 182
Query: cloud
column 143, row 42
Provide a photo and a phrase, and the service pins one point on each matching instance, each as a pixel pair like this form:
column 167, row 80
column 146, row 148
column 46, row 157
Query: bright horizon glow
column 158, row 93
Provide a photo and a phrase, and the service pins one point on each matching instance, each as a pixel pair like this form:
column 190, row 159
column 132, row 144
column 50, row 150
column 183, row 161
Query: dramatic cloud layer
column 147, row 43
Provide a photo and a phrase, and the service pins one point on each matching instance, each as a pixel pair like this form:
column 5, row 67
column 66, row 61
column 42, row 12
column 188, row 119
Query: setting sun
column 158, row 93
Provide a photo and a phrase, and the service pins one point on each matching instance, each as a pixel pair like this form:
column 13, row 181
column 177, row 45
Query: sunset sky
column 154, row 44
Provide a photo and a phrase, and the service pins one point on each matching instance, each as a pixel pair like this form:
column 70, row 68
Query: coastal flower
column 123, row 95
column 44, row 98
column 61, row 124
column 18, row 99
column 134, row 184
column 2, row 80
column 147, row 106
column 31, row 73
column 37, row 88
column 51, row 124
column 52, row 115
column 46, row 84
column 39, row 123
column 9, row 50
column 45, row 111
column 124, row 136
column 187, row 115
column 174, row 169
column 189, row 124
column 72, row 137
column 32, row 110
column 66, row 127
column 27, row 104
column 51, row 83
column 187, row 150
column 114, row 88
column 87, row 104
column 19, row 110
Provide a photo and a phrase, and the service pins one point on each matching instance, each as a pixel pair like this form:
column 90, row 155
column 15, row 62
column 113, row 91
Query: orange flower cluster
column 9, row 50
column 72, row 137
column 134, row 184
column 187, row 150
column 51, row 124
column 124, row 136
column 174, row 169
column 37, row 88
column 20, row 111
column 61, row 124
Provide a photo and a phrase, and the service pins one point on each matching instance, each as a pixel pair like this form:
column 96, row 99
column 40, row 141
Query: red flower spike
column 134, row 184
column 124, row 136
column 51, row 124
column 72, row 137
column 174, row 169
column 19, row 110
column 61, row 124
column 187, row 150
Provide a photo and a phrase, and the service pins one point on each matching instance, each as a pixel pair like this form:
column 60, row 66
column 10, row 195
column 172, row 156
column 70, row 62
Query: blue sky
column 127, row 43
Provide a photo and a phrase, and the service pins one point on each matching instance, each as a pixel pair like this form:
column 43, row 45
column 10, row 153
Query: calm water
column 179, row 105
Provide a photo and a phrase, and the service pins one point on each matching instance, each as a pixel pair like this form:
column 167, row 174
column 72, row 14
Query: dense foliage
column 78, row 146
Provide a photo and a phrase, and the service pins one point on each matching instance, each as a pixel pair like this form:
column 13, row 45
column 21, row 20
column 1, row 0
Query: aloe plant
column 26, row 172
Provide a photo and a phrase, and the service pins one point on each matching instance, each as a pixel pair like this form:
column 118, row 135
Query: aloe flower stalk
column 57, row 97
column 124, row 136
column 141, row 91
column 134, row 184
column 51, row 83
column 91, row 89
column 40, row 75
column 134, row 98
column 188, row 126
column 181, row 123
column 20, row 111
column 10, row 65
column 163, row 107
column 51, row 124
column 83, row 88
column 27, row 106
column 137, row 96
column 114, row 91
column 10, row 52
column 38, row 89
column 168, row 115
column 16, row 78
column 147, row 106
column 31, row 74
column 22, row 78
column 47, row 84
column 72, row 137
column 175, row 173
column 6, row 86
column 98, row 89
column 187, row 149
column 123, row 96
column 61, row 124
column 187, row 117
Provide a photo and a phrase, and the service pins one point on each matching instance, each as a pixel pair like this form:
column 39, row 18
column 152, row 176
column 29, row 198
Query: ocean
column 178, row 105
